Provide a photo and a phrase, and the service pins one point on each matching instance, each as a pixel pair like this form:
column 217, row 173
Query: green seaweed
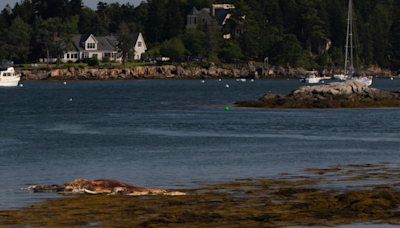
column 242, row 203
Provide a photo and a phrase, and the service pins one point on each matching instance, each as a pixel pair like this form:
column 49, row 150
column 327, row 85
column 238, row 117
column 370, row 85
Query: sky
column 90, row 3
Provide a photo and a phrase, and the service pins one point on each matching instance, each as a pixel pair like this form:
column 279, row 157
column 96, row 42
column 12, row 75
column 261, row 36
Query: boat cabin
column 311, row 74
column 6, row 68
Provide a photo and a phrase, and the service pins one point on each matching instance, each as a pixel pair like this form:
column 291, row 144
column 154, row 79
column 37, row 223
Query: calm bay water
column 167, row 133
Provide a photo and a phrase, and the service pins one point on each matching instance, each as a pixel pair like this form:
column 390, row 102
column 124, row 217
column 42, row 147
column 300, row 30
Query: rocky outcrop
column 347, row 94
column 111, row 187
column 141, row 72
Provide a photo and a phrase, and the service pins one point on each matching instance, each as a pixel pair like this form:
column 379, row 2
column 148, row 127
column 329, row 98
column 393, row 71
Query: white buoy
column 252, row 80
column 20, row 85
column 219, row 80
column 391, row 78
column 70, row 99
column 322, row 82
column 227, row 86
column 288, row 79
column 65, row 83
column 202, row 81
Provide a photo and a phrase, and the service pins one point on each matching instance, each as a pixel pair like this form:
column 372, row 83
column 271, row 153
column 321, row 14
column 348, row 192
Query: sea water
column 175, row 133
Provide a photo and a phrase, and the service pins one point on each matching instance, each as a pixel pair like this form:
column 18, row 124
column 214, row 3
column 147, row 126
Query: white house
column 137, row 40
column 88, row 46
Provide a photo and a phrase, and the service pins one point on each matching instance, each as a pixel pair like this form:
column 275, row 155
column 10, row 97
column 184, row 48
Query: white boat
column 349, row 44
column 311, row 77
column 8, row 76
column 340, row 76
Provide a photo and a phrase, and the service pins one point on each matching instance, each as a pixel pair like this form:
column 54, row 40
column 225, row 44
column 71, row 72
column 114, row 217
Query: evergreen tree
column 289, row 50
column 174, row 20
column 125, row 44
column 156, row 20
column 172, row 48
column 16, row 39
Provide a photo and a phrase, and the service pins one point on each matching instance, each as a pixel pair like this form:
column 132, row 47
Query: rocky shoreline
column 141, row 72
column 347, row 94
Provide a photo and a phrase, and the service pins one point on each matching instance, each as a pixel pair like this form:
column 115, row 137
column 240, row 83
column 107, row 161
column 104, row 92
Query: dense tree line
column 287, row 31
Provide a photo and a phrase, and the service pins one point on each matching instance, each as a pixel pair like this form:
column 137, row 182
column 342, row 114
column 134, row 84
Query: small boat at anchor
column 8, row 76
column 312, row 78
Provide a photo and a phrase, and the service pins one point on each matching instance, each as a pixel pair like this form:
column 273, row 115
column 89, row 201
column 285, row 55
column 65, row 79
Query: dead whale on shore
column 347, row 94
column 110, row 187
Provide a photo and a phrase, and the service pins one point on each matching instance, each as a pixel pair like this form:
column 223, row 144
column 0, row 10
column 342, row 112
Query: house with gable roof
column 137, row 40
column 88, row 46
column 205, row 15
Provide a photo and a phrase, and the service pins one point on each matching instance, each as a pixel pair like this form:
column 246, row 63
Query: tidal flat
column 332, row 196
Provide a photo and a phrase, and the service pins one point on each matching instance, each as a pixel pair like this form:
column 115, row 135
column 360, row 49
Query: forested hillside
column 284, row 30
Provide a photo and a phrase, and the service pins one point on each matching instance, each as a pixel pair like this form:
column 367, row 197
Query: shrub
column 93, row 61
column 70, row 61
column 106, row 59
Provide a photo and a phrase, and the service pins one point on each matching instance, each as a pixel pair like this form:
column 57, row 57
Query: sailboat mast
column 351, row 39
column 347, row 39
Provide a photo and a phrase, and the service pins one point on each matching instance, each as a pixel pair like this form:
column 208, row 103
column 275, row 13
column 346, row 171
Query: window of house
column 91, row 45
column 107, row 54
column 195, row 20
column 94, row 55
column 139, row 44
column 204, row 20
column 76, row 56
column 67, row 56
column 85, row 55
column 190, row 20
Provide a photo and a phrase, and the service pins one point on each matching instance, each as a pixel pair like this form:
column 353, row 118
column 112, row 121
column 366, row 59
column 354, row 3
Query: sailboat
column 349, row 44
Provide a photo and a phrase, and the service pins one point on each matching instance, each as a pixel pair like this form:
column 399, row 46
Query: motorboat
column 8, row 76
column 311, row 77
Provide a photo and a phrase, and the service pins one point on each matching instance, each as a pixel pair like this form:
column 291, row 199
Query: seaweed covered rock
column 112, row 187
column 347, row 94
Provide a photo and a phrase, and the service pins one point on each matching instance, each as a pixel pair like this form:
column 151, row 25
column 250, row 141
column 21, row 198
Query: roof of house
column 102, row 43
column 220, row 13
column 194, row 11
column 113, row 37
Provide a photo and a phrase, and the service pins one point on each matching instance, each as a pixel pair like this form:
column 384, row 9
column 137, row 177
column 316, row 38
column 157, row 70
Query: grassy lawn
column 80, row 65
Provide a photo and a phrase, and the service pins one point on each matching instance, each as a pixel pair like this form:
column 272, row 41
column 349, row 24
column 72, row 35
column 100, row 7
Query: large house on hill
column 88, row 46
column 219, row 11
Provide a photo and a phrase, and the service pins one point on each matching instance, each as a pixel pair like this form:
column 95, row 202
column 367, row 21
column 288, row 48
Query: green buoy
column 226, row 108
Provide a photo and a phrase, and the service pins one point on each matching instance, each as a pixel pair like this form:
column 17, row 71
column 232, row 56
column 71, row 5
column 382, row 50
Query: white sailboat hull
column 340, row 76
column 366, row 80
